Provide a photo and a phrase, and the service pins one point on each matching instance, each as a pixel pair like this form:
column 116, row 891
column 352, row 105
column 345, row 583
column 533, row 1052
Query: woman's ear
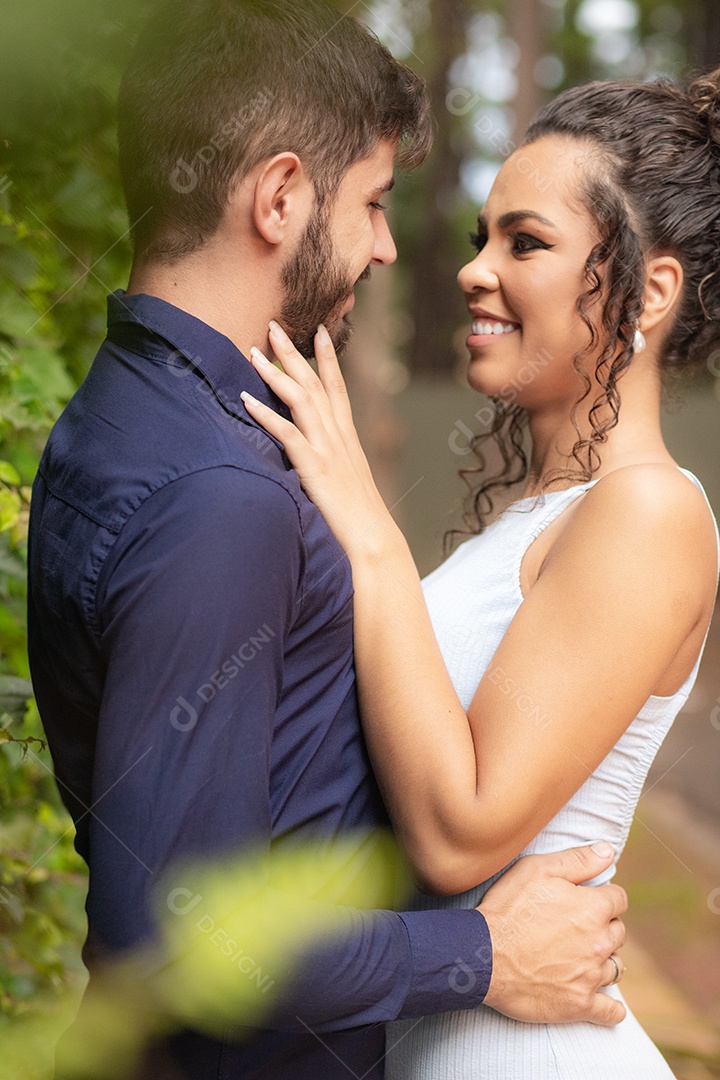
column 283, row 198
column 663, row 289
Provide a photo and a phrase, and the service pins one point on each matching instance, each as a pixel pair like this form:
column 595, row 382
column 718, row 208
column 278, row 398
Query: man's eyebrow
column 512, row 218
column 378, row 192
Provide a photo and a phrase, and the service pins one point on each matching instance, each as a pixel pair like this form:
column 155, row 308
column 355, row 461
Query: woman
column 523, row 712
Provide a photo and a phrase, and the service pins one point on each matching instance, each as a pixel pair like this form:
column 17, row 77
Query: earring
column 639, row 342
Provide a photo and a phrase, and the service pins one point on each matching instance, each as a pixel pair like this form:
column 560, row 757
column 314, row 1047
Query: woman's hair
column 653, row 185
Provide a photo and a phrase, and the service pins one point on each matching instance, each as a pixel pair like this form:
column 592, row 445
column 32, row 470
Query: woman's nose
column 478, row 274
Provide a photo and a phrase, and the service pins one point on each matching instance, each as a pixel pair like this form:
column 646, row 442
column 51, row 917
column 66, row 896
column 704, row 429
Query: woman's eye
column 523, row 242
column 478, row 240
column 378, row 206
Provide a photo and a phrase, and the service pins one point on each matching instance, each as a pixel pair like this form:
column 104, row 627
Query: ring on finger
column 616, row 977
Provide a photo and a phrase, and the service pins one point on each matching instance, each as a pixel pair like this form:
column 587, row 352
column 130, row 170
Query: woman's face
column 522, row 287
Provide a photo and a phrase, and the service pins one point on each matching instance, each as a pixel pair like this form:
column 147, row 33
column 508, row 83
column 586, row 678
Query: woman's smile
column 486, row 327
column 527, row 276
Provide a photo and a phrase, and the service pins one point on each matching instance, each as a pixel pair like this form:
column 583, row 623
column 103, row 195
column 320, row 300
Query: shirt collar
column 186, row 340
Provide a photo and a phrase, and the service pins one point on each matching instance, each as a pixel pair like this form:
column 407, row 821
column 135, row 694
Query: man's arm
column 183, row 746
column 183, row 755
column 551, row 939
column 183, row 766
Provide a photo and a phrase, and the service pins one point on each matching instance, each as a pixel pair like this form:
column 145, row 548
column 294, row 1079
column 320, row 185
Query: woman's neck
column 636, row 437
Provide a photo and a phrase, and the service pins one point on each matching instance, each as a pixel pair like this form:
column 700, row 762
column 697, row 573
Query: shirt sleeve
column 389, row 966
column 207, row 564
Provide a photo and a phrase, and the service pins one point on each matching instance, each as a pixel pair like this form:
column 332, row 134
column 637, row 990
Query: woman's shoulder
column 650, row 513
column 657, row 493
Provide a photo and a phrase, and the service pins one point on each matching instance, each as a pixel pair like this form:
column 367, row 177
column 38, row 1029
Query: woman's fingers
column 319, row 405
column 299, row 400
column 323, row 449
column 327, row 387
column 304, row 458
column 292, row 361
column 332, row 379
column 283, row 430
column 296, row 366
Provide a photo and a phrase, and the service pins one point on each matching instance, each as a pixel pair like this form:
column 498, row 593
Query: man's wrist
column 452, row 960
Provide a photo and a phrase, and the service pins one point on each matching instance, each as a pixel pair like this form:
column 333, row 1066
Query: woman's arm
column 622, row 588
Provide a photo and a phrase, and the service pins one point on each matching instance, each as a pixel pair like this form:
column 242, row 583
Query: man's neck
column 239, row 303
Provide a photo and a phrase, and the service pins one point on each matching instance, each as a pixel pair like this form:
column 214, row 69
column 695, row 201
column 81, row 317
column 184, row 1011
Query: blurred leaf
column 42, row 375
column 9, row 509
column 17, row 315
column 14, row 694
column 8, row 473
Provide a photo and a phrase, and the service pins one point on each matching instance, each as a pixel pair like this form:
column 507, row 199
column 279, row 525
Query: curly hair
column 653, row 186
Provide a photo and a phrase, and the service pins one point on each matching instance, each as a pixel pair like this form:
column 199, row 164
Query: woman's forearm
column 417, row 731
column 468, row 791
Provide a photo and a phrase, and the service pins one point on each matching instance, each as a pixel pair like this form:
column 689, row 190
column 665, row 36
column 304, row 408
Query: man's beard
column 316, row 286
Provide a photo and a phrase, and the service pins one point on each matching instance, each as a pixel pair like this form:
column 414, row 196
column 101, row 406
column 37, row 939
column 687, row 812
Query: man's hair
column 216, row 86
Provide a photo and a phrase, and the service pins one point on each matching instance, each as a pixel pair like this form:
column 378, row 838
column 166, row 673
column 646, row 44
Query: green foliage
column 63, row 247
column 229, row 936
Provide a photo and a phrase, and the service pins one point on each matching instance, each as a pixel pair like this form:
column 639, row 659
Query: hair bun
column 704, row 93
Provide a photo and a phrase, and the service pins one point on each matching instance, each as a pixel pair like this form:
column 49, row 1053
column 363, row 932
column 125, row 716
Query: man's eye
column 478, row 240
column 523, row 242
column 378, row 206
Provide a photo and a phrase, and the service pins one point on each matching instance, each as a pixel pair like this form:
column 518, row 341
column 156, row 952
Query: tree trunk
column 435, row 301
column 368, row 369
column 702, row 22
column 525, row 25
column 367, row 362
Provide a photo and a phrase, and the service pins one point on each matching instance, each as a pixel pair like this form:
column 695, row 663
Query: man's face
column 336, row 251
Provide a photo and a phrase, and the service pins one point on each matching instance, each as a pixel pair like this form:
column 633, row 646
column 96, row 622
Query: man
column 190, row 613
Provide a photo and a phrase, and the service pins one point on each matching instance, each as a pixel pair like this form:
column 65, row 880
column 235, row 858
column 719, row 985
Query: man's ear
column 283, row 198
column 663, row 289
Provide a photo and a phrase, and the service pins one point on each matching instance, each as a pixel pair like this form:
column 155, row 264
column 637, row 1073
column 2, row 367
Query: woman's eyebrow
column 513, row 216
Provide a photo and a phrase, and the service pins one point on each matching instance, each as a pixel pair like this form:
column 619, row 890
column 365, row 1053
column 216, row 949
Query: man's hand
column 552, row 939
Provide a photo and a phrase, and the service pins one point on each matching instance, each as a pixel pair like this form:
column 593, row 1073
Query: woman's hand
column 467, row 790
column 322, row 443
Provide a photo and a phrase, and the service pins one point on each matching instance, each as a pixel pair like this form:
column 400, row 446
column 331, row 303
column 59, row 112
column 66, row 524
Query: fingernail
column 276, row 328
column 602, row 849
column 248, row 398
column 258, row 356
column 323, row 335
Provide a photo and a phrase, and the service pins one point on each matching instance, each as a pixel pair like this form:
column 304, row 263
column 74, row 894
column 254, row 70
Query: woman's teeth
column 492, row 328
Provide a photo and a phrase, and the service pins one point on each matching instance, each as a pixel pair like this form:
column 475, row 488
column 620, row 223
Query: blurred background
column 64, row 246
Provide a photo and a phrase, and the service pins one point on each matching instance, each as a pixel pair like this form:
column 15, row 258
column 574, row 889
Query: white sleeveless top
column 472, row 599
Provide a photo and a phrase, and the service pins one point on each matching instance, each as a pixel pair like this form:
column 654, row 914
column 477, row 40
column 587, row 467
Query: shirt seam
column 93, row 582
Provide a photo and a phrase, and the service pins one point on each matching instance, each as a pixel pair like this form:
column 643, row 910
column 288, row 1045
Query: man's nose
column 384, row 251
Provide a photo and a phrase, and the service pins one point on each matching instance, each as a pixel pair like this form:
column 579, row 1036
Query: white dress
column 472, row 599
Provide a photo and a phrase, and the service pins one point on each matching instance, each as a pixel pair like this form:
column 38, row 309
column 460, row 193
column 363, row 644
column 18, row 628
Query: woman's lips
column 484, row 327
column 485, row 331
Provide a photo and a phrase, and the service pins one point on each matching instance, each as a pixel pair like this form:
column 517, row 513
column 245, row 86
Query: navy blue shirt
column 190, row 635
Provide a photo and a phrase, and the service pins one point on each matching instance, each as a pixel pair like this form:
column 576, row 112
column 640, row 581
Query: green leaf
column 42, row 375
column 17, row 315
column 8, row 473
column 10, row 507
